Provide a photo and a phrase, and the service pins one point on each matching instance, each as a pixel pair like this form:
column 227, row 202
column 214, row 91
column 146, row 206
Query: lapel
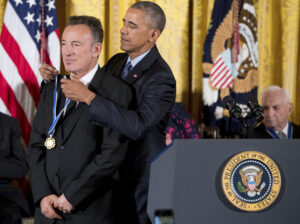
column 119, row 65
column 61, row 99
column 138, row 70
column 73, row 114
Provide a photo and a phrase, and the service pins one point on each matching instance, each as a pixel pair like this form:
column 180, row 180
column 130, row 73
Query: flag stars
column 48, row 20
column 50, row 5
column 31, row 3
column 38, row 36
column 18, row 2
column 29, row 18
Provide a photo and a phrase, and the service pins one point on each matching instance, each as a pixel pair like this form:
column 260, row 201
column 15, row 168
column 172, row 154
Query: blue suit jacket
column 154, row 92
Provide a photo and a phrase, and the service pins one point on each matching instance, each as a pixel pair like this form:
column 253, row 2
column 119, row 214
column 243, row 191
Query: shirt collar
column 137, row 59
column 86, row 79
column 285, row 130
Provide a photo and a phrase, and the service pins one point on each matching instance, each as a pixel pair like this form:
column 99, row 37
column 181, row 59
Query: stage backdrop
column 181, row 42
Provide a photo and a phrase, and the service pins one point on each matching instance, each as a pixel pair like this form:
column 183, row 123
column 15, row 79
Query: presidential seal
column 251, row 181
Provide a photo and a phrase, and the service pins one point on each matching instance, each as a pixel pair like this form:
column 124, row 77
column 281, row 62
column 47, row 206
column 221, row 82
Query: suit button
column 56, row 174
column 62, row 147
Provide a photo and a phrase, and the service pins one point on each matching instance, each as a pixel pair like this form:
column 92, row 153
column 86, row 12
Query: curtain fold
column 181, row 43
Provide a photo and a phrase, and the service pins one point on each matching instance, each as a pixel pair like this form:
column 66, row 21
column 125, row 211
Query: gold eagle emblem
column 251, row 179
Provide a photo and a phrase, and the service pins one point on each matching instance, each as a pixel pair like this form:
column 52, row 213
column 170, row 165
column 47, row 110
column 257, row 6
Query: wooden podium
column 186, row 178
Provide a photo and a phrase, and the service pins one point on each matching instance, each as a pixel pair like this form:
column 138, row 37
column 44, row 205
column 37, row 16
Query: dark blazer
column 85, row 156
column 13, row 165
column 154, row 90
column 260, row 132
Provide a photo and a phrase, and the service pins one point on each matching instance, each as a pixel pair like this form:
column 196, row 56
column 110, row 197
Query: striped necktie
column 281, row 135
column 126, row 70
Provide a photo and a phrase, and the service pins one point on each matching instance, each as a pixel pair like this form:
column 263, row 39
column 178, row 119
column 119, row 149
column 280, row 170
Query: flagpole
column 43, row 33
column 236, row 33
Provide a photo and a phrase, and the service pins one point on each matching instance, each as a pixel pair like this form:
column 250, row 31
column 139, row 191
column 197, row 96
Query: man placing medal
column 72, row 161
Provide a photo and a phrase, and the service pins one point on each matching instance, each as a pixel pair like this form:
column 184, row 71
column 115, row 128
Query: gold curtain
column 279, row 48
column 181, row 43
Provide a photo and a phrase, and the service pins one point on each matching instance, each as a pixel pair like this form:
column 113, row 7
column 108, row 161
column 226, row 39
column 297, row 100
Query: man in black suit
column 277, row 108
column 154, row 89
column 72, row 177
column 13, row 165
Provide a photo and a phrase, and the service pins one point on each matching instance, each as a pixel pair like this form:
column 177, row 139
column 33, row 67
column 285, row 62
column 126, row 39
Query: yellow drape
column 181, row 43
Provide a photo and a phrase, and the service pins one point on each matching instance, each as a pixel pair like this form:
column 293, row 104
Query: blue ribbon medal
column 274, row 134
column 50, row 141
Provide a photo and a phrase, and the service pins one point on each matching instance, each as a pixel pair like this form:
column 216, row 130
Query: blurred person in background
column 13, row 165
column 277, row 108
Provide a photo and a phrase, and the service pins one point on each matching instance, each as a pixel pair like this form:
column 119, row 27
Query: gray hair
column 155, row 13
column 93, row 23
column 274, row 88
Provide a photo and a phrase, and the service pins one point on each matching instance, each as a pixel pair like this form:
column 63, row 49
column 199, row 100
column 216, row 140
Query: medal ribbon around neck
column 275, row 136
column 50, row 141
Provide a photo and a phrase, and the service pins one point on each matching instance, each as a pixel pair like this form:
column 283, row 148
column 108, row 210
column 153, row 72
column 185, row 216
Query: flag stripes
column 221, row 77
column 11, row 103
column 24, row 70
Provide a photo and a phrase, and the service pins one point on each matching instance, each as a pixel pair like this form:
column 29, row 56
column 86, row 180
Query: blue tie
column 126, row 70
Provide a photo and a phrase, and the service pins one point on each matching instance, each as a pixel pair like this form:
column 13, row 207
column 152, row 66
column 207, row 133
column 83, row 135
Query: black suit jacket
column 13, row 161
column 260, row 132
column 85, row 156
column 154, row 90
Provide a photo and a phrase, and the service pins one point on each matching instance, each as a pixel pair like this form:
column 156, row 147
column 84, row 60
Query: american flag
column 20, row 45
column 223, row 71
column 229, row 62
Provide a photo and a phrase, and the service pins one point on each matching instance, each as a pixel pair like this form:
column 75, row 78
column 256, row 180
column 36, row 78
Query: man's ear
column 290, row 107
column 97, row 49
column 154, row 35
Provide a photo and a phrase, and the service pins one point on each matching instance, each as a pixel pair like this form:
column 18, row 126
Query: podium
column 186, row 178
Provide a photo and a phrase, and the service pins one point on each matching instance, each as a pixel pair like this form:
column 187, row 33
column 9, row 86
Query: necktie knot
column 126, row 70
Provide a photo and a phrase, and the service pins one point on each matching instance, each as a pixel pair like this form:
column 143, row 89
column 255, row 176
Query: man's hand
column 63, row 205
column 76, row 91
column 48, row 72
column 47, row 208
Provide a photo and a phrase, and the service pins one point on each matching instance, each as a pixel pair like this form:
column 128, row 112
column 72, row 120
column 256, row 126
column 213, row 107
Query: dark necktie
column 126, row 70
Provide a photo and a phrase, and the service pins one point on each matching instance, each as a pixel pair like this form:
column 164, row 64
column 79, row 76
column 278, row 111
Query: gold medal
column 50, row 142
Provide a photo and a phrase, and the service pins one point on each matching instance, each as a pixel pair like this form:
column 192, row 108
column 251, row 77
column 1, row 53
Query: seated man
column 13, row 165
column 277, row 108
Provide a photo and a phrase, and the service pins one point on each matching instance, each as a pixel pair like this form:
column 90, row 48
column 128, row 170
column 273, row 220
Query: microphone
column 234, row 110
column 255, row 108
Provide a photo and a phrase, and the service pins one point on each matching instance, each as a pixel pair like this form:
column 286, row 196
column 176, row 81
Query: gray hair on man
column 155, row 13
column 275, row 88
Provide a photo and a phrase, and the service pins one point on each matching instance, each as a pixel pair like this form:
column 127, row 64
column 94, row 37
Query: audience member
column 181, row 125
column 277, row 108
column 13, row 165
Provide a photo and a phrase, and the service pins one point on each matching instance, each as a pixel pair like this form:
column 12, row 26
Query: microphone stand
column 245, row 127
column 236, row 112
